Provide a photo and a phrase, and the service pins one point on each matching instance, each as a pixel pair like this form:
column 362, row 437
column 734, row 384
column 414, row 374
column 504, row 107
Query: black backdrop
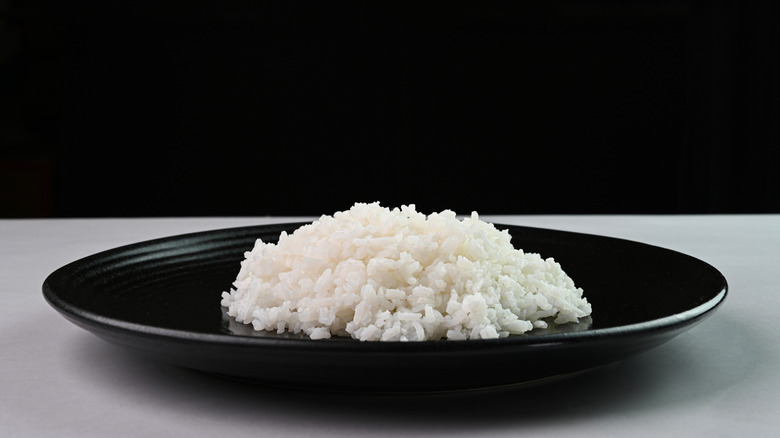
column 168, row 108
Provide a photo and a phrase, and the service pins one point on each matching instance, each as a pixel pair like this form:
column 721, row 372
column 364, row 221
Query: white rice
column 377, row 274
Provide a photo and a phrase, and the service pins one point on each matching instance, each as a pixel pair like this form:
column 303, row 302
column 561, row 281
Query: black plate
column 161, row 298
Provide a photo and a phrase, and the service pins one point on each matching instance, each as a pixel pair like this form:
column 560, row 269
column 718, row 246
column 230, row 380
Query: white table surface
column 720, row 379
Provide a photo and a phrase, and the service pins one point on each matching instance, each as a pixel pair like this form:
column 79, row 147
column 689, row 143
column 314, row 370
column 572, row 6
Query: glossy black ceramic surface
column 161, row 298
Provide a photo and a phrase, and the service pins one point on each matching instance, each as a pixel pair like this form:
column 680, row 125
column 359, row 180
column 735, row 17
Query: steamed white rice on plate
column 379, row 274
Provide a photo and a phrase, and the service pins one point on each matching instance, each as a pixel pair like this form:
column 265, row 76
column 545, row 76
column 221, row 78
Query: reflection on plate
column 161, row 298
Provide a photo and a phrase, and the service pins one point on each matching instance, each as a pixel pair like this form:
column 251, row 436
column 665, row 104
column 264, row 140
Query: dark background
column 219, row 108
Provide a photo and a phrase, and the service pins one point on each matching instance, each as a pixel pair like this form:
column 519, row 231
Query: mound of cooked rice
column 377, row 274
